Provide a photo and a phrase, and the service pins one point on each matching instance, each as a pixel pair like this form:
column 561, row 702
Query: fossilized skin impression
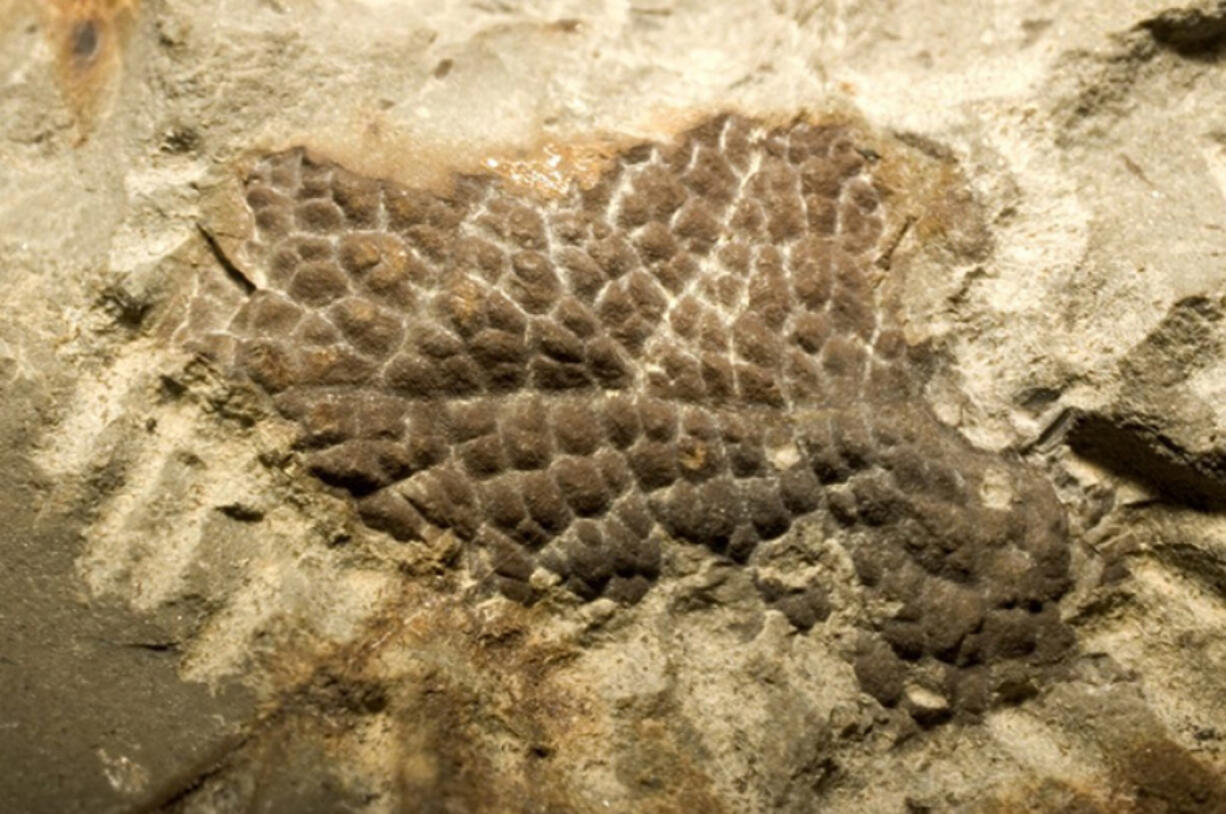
column 699, row 349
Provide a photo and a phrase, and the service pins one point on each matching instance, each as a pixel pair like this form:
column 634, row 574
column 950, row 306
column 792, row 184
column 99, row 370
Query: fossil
column 697, row 350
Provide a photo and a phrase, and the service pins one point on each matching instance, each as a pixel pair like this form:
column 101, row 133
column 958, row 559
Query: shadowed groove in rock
column 698, row 348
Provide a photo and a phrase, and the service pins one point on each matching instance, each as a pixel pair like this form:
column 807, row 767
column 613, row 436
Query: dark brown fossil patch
column 699, row 348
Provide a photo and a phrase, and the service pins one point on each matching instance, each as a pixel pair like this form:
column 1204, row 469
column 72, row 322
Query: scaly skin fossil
column 697, row 349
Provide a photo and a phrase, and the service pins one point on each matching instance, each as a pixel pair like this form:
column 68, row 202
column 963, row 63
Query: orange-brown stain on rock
column 1163, row 776
column 1151, row 775
column 470, row 715
column 439, row 705
column 661, row 772
column 942, row 213
column 87, row 38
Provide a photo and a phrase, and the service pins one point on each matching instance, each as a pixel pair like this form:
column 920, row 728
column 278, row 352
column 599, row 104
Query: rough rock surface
column 612, row 407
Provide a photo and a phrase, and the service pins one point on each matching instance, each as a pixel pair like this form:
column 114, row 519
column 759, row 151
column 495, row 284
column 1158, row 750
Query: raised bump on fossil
column 698, row 347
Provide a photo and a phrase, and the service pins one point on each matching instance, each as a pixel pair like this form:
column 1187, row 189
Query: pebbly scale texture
column 698, row 348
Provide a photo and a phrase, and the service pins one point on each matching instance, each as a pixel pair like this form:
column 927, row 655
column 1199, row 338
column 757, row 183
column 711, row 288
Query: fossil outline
column 699, row 348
